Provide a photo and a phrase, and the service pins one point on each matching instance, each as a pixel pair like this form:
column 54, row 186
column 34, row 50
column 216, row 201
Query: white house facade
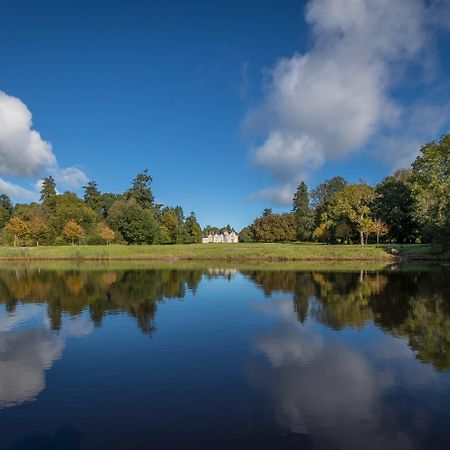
column 222, row 238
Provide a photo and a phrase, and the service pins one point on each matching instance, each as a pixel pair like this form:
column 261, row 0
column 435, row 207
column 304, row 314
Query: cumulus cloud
column 327, row 103
column 70, row 178
column 24, row 153
column 16, row 191
column 22, row 150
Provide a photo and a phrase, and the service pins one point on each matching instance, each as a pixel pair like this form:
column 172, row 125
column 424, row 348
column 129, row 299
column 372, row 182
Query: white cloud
column 16, row 191
column 70, row 178
column 327, row 103
column 23, row 152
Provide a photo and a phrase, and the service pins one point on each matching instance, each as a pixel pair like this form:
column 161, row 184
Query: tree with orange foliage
column 105, row 233
column 73, row 230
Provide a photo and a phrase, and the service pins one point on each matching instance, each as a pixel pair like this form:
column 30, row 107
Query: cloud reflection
column 334, row 392
column 27, row 348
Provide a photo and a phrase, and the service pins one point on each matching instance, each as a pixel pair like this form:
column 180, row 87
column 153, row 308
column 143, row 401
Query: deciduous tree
column 354, row 201
column 18, row 230
column 73, row 230
column 106, row 233
column 39, row 230
column 395, row 205
column 379, row 228
column 431, row 187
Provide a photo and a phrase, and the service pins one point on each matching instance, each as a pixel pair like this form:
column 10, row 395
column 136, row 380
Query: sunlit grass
column 223, row 252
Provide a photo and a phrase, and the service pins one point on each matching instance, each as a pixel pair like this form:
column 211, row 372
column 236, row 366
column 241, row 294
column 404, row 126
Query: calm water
column 224, row 359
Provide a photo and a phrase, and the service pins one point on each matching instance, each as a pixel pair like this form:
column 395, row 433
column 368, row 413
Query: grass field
column 225, row 252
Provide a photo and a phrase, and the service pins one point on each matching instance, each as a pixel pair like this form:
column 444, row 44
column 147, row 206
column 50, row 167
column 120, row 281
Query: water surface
column 212, row 358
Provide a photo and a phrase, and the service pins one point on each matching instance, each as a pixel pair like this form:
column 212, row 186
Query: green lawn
column 224, row 252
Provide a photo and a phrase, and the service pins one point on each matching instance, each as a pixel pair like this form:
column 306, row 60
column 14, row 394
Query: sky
column 228, row 104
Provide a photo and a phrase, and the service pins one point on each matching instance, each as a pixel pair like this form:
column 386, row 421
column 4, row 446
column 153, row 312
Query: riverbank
column 267, row 252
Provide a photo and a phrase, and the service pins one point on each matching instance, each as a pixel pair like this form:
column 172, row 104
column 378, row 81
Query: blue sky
column 228, row 104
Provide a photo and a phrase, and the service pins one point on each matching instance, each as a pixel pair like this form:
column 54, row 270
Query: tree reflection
column 136, row 292
column 409, row 304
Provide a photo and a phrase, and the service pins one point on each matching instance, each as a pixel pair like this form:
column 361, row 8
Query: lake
column 106, row 357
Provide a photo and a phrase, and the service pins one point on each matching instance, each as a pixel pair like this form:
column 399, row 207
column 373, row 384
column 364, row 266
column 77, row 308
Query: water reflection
column 413, row 305
column 346, row 359
column 28, row 348
column 135, row 292
column 335, row 393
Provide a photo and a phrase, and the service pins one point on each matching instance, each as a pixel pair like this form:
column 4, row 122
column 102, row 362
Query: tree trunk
column 361, row 234
column 378, row 238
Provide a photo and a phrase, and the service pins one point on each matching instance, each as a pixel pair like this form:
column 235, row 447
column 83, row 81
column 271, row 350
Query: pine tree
column 48, row 189
column 302, row 212
column 141, row 190
column 92, row 195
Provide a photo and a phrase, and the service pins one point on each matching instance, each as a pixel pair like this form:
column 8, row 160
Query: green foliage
column 93, row 197
column 5, row 202
column 343, row 231
column 395, row 206
column 39, row 230
column 353, row 201
column 48, row 189
column 171, row 226
column 192, row 233
column 274, row 227
column 6, row 208
column 246, row 235
column 210, row 230
column 67, row 207
column 302, row 212
column 135, row 224
column 141, row 191
column 431, row 187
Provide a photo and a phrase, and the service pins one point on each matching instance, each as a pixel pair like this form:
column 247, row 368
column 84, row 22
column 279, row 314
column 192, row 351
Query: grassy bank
column 224, row 252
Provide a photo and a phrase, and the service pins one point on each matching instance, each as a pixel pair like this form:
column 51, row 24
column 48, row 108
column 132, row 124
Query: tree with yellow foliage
column 39, row 230
column 17, row 228
column 73, row 230
column 379, row 228
column 105, row 233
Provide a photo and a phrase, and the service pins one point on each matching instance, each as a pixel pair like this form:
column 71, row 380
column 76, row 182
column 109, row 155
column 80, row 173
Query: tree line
column 410, row 206
column 132, row 217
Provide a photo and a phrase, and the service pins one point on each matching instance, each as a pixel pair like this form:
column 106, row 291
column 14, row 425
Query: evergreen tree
column 192, row 233
column 6, row 208
column 302, row 212
column 5, row 202
column 48, row 189
column 92, row 196
column 141, row 190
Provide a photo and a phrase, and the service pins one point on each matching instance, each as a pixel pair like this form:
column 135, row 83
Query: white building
column 222, row 238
